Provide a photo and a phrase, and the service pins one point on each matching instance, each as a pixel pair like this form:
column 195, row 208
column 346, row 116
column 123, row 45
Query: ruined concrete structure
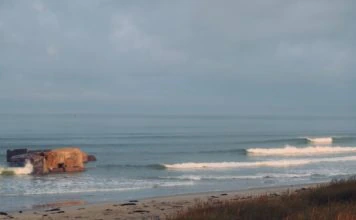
column 70, row 159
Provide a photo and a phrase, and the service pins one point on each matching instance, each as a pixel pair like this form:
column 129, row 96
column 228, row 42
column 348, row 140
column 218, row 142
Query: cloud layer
column 170, row 57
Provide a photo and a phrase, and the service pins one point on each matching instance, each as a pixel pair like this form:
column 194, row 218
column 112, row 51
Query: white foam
column 27, row 169
column 269, row 163
column 212, row 177
column 295, row 151
column 320, row 140
column 286, row 175
column 184, row 177
column 89, row 185
column 98, row 189
column 73, row 191
column 241, row 177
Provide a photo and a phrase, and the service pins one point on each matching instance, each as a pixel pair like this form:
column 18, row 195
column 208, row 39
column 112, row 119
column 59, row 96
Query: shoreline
column 148, row 208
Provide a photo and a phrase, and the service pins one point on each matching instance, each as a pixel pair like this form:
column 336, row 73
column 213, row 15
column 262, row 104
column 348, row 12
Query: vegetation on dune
column 336, row 200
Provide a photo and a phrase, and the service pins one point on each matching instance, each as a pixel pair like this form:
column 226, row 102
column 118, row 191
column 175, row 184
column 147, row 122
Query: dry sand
column 153, row 208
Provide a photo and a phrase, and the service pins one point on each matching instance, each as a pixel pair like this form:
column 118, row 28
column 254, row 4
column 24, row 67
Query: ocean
column 141, row 156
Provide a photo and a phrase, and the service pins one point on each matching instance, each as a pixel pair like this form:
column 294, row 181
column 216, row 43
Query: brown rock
column 65, row 160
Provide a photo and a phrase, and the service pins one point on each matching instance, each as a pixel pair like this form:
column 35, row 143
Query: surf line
column 272, row 163
column 289, row 150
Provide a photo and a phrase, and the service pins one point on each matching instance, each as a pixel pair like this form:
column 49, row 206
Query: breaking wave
column 207, row 177
column 238, row 151
column 235, row 177
column 320, row 140
column 27, row 169
column 295, row 151
column 272, row 163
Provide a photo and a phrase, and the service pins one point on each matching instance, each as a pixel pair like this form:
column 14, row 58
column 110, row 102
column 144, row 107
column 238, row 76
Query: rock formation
column 70, row 159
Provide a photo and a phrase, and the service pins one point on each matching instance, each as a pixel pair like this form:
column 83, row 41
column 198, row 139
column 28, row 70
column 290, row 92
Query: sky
column 178, row 57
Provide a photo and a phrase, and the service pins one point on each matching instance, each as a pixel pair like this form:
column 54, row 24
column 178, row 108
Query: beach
column 149, row 208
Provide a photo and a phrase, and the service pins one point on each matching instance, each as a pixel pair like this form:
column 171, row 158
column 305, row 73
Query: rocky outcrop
column 65, row 160
column 70, row 159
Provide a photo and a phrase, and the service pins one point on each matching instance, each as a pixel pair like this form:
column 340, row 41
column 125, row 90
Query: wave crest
column 236, row 177
column 295, row 151
column 320, row 140
column 271, row 163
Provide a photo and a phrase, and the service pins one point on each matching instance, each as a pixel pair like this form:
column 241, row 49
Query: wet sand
column 151, row 208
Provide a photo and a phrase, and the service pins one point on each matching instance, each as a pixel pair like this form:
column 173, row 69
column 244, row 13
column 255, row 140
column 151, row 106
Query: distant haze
column 171, row 57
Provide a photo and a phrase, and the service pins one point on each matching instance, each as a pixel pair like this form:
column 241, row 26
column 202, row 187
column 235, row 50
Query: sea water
column 142, row 156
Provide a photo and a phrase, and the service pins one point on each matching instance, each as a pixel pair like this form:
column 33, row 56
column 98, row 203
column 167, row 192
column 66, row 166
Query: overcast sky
column 171, row 57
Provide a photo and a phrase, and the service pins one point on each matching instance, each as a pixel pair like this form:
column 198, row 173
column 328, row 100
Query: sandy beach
column 150, row 208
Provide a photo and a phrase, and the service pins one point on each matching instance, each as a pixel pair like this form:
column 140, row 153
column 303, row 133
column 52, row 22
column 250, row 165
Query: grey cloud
column 187, row 55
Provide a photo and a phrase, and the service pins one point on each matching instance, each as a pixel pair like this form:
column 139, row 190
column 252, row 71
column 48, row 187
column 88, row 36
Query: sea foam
column 269, row 163
column 27, row 169
column 236, row 177
column 296, row 151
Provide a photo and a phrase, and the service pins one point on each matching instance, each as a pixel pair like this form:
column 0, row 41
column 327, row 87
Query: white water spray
column 27, row 169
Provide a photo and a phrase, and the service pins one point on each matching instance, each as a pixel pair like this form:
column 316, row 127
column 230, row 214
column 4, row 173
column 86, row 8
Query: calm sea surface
column 144, row 156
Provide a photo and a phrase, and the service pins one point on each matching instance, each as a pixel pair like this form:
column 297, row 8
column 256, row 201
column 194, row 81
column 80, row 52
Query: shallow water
column 145, row 156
